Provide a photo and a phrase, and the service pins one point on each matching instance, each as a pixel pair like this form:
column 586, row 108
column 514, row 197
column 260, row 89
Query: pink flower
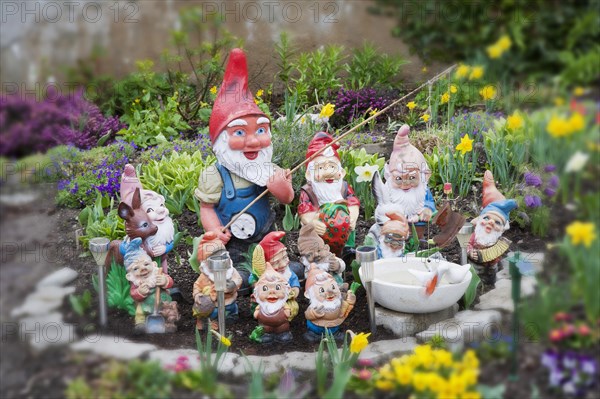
column 364, row 375
column 584, row 330
column 568, row 330
column 556, row 335
column 562, row 316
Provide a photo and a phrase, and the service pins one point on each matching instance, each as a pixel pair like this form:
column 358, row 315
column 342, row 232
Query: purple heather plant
column 352, row 104
column 30, row 126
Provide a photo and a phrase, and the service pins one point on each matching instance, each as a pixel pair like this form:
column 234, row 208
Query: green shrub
column 370, row 68
column 96, row 224
column 318, row 74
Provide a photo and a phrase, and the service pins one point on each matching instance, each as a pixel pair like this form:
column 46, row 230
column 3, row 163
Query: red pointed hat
column 320, row 140
column 234, row 100
column 271, row 244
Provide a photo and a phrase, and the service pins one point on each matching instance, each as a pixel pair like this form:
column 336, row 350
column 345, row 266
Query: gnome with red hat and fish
column 486, row 245
column 240, row 133
column 326, row 200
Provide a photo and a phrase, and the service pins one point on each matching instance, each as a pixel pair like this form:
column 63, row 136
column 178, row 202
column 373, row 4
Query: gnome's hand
column 425, row 215
column 223, row 236
column 320, row 227
column 473, row 254
column 144, row 290
column 161, row 280
column 158, row 250
column 280, row 185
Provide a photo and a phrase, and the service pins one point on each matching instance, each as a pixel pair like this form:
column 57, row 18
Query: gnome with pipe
column 326, row 200
column 240, row 133
column 486, row 245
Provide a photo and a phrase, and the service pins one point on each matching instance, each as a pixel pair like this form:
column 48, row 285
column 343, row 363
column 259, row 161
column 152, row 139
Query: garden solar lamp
column 218, row 265
column 463, row 239
column 99, row 249
column 366, row 255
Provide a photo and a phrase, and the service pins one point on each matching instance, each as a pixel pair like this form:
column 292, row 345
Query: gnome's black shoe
column 267, row 338
column 176, row 295
column 284, row 337
column 311, row 336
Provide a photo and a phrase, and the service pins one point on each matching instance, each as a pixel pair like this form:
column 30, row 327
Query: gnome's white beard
column 484, row 238
column 387, row 251
column 257, row 171
column 327, row 192
column 328, row 306
column 269, row 308
column 165, row 233
column 411, row 202
column 149, row 280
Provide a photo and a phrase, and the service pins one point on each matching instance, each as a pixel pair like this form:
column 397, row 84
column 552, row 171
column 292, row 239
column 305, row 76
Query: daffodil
column 576, row 162
column 559, row 101
column 578, row 91
column 462, row 71
column 453, row 89
column 445, row 98
column 465, row 145
column 425, row 118
column 558, row 127
column 494, row 51
column 327, row 111
column 224, row 340
column 213, row 90
column 411, row 105
column 582, row 233
column 365, row 173
column 359, row 342
column 514, row 121
column 577, row 122
column 476, row 73
column 260, row 93
column 504, row 43
column 488, row 92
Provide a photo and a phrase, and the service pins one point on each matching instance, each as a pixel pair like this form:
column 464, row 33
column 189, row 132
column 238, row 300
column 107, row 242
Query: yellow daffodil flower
column 559, row 101
column 514, row 121
column 224, row 340
column 425, row 117
column 494, row 51
column 462, row 71
column 558, row 127
column 578, row 91
column 582, row 233
column 504, row 43
column 465, row 145
column 577, row 122
column 359, row 342
column 445, row 98
column 213, row 90
column 488, row 92
column 411, row 105
column 327, row 111
column 453, row 89
column 476, row 73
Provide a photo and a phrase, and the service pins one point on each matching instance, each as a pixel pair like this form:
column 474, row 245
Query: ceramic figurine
column 393, row 235
column 486, row 245
column 240, row 133
column 204, row 293
column 137, row 225
column 145, row 278
column 328, row 307
column 326, row 200
column 153, row 204
column 405, row 189
column 272, row 311
column 315, row 253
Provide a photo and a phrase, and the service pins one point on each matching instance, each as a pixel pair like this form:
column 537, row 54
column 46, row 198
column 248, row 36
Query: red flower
column 577, row 107
column 562, row 316
column 568, row 330
column 556, row 335
column 364, row 375
column 584, row 330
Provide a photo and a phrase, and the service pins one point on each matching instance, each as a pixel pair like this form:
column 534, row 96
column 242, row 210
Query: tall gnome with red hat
column 241, row 137
column 486, row 245
column 326, row 200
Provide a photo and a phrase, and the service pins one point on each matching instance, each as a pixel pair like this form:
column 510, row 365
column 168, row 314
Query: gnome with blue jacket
column 486, row 245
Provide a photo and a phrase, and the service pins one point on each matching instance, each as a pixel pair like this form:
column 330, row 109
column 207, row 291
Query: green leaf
column 491, row 392
column 471, row 291
column 193, row 257
column 288, row 219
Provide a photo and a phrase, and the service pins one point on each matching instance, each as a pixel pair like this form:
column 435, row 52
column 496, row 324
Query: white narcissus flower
column 577, row 162
column 366, row 172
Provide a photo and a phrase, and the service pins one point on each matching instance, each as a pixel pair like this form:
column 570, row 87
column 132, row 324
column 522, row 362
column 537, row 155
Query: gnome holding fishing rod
column 326, row 200
column 486, row 245
column 240, row 133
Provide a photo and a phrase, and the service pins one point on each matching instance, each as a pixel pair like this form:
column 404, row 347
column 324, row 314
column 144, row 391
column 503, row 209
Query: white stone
column 18, row 199
column 467, row 326
column 169, row 357
column 43, row 301
column 228, row 362
column 111, row 346
column 501, row 296
column 47, row 330
column 381, row 351
column 268, row 365
column 301, row 361
column 59, row 278
column 535, row 258
column 408, row 324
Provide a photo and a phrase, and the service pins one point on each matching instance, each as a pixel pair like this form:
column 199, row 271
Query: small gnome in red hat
column 205, row 295
column 241, row 136
column 326, row 200
column 273, row 313
column 276, row 254
column 486, row 245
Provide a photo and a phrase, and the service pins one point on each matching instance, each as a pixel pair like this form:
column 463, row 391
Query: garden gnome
column 276, row 254
column 154, row 205
column 328, row 306
column 326, row 200
column 393, row 236
column 315, row 253
column 272, row 311
column 145, row 276
column 205, row 295
column 241, row 137
column 405, row 189
column 486, row 245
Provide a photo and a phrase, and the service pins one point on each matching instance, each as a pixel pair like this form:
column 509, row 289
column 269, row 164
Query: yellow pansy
column 327, row 110
column 476, row 73
column 582, row 233
column 213, row 90
column 260, row 93
column 445, row 98
column 462, row 71
column 403, row 375
column 465, row 145
column 470, row 360
column 425, row 117
column 488, row 92
column 411, row 105
column 514, row 121
column 384, row 385
column 359, row 342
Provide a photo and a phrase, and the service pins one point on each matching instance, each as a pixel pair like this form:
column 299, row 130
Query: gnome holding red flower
column 486, row 245
column 241, row 136
column 327, row 201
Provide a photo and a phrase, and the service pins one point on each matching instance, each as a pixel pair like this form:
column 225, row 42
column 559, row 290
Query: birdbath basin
column 395, row 288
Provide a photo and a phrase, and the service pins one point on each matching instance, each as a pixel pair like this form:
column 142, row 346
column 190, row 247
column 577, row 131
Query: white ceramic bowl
column 397, row 289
